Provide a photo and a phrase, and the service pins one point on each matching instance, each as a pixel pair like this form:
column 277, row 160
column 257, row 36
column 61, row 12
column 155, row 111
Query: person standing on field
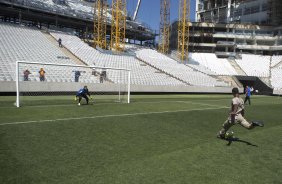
column 236, row 116
column 248, row 95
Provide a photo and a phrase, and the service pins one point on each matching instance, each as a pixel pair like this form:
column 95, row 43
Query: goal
column 40, row 84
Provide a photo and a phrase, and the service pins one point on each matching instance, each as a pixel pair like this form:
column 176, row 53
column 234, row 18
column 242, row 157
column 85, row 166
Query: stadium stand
column 29, row 44
column 148, row 66
column 275, row 60
column 214, row 64
column 142, row 74
column 198, row 67
column 255, row 65
column 176, row 69
column 276, row 77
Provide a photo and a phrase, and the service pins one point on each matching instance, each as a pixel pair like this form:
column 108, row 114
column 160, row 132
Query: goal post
column 56, row 84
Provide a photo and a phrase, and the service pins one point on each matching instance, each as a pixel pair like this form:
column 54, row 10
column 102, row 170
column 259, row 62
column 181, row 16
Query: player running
column 236, row 116
column 82, row 93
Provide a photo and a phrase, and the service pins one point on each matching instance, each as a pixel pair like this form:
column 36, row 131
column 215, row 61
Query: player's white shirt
column 238, row 101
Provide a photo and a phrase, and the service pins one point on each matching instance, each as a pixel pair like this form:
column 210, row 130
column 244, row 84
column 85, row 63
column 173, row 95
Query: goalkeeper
column 82, row 93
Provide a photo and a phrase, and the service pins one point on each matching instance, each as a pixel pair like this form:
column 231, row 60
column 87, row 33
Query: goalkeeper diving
column 82, row 93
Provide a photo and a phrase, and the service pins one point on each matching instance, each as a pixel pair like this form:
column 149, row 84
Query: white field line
column 111, row 115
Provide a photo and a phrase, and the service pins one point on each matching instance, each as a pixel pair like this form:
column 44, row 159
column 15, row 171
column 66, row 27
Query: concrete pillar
column 196, row 12
column 20, row 16
column 255, row 40
column 56, row 23
column 86, row 34
column 228, row 11
column 276, row 41
column 213, row 31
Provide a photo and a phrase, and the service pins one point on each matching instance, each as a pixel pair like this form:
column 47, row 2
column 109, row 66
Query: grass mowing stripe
column 112, row 115
column 188, row 102
column 144, row 102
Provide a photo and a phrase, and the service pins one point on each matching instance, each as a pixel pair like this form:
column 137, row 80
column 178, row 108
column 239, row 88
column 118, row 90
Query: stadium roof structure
column 74, row 14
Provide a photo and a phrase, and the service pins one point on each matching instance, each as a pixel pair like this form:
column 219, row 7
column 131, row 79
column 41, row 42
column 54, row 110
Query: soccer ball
column 229, row 134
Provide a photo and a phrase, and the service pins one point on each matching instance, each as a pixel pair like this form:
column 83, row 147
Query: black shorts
column 83, row 96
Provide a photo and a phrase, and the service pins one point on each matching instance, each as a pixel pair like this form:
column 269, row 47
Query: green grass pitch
column 155, row 139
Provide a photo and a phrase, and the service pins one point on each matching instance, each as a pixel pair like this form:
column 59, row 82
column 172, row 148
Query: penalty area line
column 111, row 115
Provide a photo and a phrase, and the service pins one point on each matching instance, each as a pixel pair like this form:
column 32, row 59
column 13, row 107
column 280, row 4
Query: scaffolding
column 100, row 23
column 164, row 26
column 183, row 29
column 118, row 25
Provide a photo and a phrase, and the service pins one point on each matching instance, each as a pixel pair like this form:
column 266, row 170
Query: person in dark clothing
column 247, row 95
column 103, row 75
column 26, row 74
column 76, row 76
column 82, row 93
column 101, row 78
column 60, row 42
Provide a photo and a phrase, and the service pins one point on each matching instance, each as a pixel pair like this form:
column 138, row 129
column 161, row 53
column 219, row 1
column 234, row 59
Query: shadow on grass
column 236, row 139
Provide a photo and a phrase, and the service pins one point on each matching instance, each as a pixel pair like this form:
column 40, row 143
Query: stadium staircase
column 178, row 70
column 275, row 61
column 276, row 64
column 236, row 67
column 63, row 49
column 230, row 80
column 161, row 71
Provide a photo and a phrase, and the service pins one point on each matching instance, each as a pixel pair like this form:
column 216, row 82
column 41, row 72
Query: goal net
column 41, row 84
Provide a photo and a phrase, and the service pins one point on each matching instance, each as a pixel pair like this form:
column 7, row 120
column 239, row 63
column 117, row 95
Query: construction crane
column 183, row 29
column 100, row 23
column 136, row 10
column 164, row 26
column 118, row 25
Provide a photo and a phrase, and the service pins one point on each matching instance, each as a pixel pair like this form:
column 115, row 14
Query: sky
column 149, row 11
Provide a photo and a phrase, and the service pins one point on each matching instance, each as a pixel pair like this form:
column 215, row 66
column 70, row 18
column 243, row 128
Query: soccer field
column 154, row 139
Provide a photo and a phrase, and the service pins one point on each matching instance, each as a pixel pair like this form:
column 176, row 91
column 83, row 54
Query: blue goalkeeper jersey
column 83, row 91
column 248, row 91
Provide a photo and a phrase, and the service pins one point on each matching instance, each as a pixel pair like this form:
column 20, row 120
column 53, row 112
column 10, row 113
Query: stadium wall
column 7, row 87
